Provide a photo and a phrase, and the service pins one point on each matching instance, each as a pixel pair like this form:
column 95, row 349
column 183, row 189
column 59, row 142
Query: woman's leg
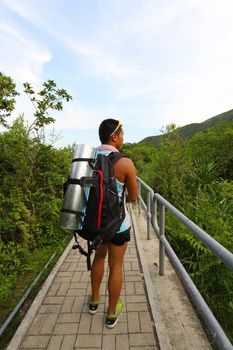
column 115, row 259
column 97, row 271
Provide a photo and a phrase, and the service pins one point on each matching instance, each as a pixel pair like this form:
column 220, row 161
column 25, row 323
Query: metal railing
column 155, row 200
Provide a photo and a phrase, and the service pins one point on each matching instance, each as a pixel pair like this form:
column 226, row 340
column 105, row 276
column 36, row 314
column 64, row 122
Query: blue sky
column 147, row 62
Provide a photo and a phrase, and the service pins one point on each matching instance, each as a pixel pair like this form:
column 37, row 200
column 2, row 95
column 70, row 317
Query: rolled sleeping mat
column 74, row 201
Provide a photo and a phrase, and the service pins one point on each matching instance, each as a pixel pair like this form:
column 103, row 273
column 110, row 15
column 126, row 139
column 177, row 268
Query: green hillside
column 190, row 129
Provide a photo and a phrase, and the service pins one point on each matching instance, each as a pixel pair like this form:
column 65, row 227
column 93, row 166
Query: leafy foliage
column 195, row 174
column 31, row 190
column 7, row 97
column 32, row 174
column 50, row 98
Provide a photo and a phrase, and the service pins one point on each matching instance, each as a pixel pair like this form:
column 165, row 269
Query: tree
column 7, row 100
column 48, row 98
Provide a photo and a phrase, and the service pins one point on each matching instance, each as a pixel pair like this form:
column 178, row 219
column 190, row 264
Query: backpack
column 105, row 211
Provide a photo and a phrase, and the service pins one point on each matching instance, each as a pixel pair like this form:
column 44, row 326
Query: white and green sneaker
column 111, row 320
column 93, row 306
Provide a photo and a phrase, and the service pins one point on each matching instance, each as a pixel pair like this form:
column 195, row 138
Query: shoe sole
column 114, row 324
column 92, row 312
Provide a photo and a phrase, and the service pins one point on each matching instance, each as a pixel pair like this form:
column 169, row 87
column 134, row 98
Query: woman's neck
column 107, row 147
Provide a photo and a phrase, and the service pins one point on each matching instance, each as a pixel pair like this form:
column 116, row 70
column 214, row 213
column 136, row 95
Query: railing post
column 157, row 202
column 161, row 234
column 154, row 214
column 148, row 214
column 139, row 196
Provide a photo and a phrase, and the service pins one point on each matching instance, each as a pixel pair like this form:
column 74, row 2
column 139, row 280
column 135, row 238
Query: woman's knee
column 116, row 254
column 101, row 252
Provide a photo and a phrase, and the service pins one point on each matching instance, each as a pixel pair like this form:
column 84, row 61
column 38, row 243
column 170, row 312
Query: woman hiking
column 111, row 135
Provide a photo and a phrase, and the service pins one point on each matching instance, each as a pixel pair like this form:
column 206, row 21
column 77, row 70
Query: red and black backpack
column 104, row 212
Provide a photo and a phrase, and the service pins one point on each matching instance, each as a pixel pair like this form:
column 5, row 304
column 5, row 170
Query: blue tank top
column 126, row 224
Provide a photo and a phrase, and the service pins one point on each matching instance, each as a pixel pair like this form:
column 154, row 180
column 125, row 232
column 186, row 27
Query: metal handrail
column 24, row 297
column 147, row 207
column 221, row 252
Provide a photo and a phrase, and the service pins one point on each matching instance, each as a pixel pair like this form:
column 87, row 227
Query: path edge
column 163, row 340
column 28, row 318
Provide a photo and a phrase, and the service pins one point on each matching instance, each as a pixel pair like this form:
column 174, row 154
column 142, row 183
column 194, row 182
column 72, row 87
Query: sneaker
column 111, row 320
column 93, row 307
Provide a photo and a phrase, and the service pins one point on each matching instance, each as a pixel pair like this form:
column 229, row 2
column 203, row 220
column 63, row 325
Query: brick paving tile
column 35, row 341
column 78, row 304
column 68, row 342
column 81, row 268
column 64, row 266
column 133, row 278
column 109, row 342
column 66, row 328
column 136, row 298
column 73, row 266
column 53, row 289
column 93, row 341
column 133, row 322
column 69, row 318
column 76, row 292
column 133, row 273
column 63, row 279
column 139, row 288
column 63, row 289
column 137, row 307
column 85, row 277
column 135, row 265
column 49, row 309
column 127, row 266
column 71, row 258
column 65, row 274
column 145, row 322
column 97, row 323
column 85, row 324
column 53, row 300
column 49, row 324
column 76, row 277
column 78, row 285
column 122, row 342
column 129, row 288
column 67, row 304
column 87, row 348
column 85, row 308
column 37, row 323
column 142, row 348
column 141, row 340
column 130, row 258
column 55, row 342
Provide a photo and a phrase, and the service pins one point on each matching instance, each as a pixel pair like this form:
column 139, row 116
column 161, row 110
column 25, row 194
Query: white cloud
column 18, row 8
column 171, row 60
column 77, row 116
column 21, row 57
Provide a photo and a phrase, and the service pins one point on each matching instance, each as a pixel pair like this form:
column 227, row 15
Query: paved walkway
column 59, row 318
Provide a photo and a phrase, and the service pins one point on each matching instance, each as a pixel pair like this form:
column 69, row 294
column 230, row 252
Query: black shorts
column 121, row 238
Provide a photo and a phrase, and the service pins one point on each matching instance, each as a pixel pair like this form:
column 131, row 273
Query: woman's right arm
column 131, row 181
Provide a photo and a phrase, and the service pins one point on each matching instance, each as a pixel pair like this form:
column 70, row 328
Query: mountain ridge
column 190, row 129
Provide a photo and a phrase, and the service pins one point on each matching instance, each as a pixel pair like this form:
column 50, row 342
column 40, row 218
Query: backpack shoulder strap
column 115, row 156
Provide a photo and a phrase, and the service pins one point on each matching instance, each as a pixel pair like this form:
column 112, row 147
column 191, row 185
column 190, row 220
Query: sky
column 148, row 63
